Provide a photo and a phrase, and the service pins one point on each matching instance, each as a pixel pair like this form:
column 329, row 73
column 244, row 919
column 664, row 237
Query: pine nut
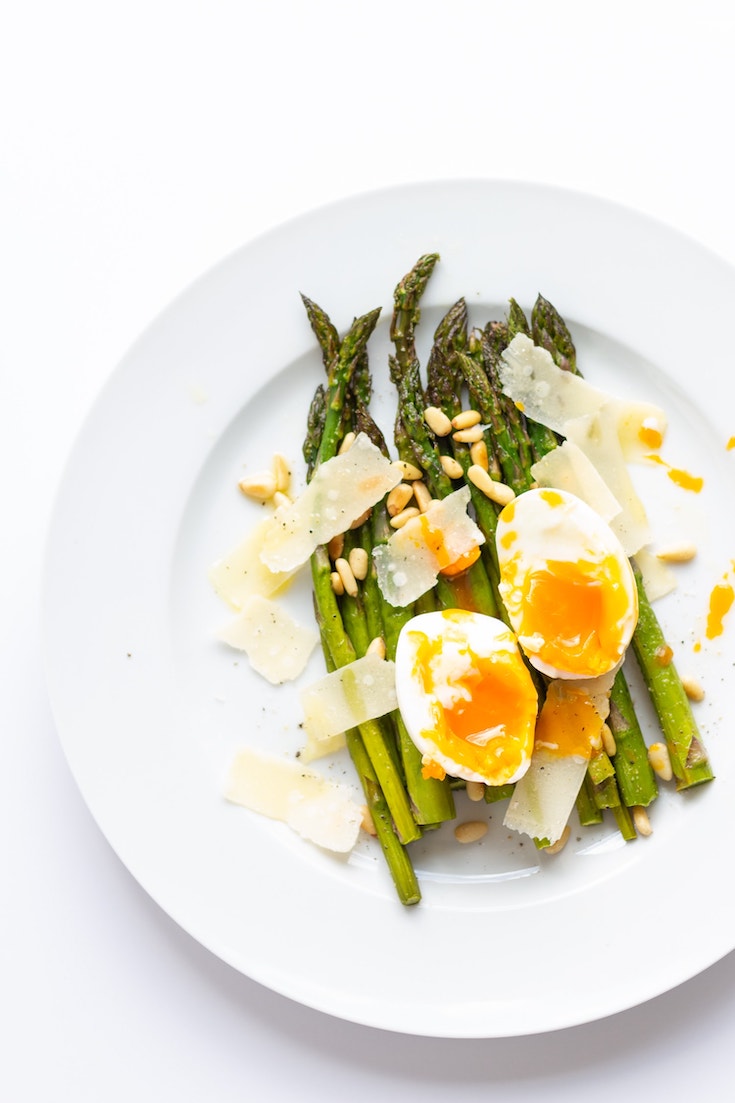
column 452, row 467
column 608, row 741
column 281, row 499
column 475, row 790
column 261, row 486
column 404, row 517
column 336, row 545
column 344, row 570
column 468, row 436
column 641, row 821
column 560, row 843
column 359, row 562
column 693, row 688
column 677, row 553
column 282, row 472
column 470, row 831
column 367, row 823
column 658, row 756
column 422, row 495
column 399, row 498
column 497, row 492
column 347, row 441
column 409, row 471
column 337, row 584
column 466, row 419
column 479, row 456
column 376, row 647
column 437, row 421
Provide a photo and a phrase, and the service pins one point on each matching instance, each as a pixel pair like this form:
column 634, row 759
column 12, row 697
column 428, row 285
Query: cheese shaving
column 360, row 691
column 658, row 578
column 319, row 810
column 597, row 436
column 568, row 468
column 277, row 646
column 409, row 563
column 341, row 490
column 240, row 574
column 568, row 728
column 554, row 397
column 544, row 797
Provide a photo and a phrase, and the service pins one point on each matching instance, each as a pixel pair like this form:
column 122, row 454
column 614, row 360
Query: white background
column 139, row 144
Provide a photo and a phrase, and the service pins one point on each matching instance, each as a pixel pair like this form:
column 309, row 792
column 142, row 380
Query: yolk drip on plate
column 683, row 479
column 720, row 601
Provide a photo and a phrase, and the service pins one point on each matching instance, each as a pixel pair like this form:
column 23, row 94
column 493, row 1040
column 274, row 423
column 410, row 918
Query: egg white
column 456, row 630
column 542, row 525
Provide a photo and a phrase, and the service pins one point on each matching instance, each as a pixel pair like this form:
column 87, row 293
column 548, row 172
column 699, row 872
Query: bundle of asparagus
column 495, row 452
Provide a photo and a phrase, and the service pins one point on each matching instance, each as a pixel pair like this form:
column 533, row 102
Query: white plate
column 150, row 708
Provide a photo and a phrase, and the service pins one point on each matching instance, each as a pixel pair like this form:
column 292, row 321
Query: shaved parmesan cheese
column 597, row 437
column 321, row 811
column 409, row 563
column 341, row 490
column 543, row 799
column 568, row 468
column 276, row 646
column 658, row 578
column 362, row 690
column 554, row 397
column 314, row 748
column 241, row 573
column 568, row 728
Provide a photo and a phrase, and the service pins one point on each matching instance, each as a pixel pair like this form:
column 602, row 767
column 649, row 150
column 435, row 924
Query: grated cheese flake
column 568, row 728
column 554, row 397
column 360, row 691
column 277, row 646
column 409, row 563
column 544, row 797
column 341, row 490
column 322, row 811
column 658, row 578
column 596, row 435
column 240, row 574
column 568, row 468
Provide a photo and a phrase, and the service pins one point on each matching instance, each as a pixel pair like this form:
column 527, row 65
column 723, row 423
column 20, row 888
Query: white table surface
column 139, row 144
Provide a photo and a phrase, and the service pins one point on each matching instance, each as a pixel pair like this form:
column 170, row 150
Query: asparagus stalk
column 396, row 855
column 635, row 778
column 341, row 371
column 317, row 450
column 367, row 615
column 516, row 440
column 472, row 590
column 689, row 760
column 431, row 798
column 688, row 755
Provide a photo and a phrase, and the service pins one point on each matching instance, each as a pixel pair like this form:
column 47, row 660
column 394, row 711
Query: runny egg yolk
column 566, row 583
column 466, row 696
column 571, row 613
column 433, row 538
column 569, row 722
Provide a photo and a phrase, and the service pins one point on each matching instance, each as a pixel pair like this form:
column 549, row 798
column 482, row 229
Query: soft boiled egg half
column 566, row 583
column 466, row 696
